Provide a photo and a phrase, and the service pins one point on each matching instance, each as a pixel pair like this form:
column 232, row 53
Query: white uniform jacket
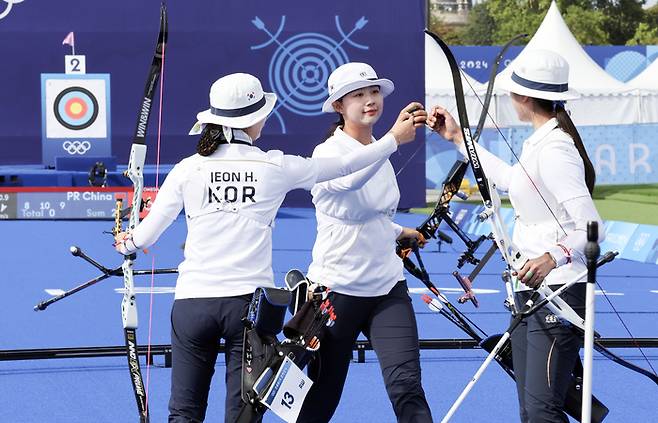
column 354, row 252
column 556, row 169
column 231, row 199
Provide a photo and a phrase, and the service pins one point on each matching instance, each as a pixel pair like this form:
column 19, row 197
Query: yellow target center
column 76, row 108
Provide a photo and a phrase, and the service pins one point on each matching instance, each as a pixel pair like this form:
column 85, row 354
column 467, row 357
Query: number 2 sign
column 75, row 64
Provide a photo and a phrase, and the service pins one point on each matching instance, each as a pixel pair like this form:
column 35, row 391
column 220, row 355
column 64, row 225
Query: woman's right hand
column 442, row 122
column 411, row 117
column 124, row 244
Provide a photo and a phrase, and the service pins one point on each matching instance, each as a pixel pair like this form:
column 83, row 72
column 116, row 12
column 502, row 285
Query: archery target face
column 76, row 108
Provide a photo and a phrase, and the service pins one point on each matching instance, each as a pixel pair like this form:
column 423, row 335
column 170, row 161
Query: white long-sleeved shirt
column 231, row 198
column 555, row 168
column 354, row 252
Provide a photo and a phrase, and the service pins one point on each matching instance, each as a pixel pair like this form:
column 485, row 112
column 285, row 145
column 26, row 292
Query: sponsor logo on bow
column 470, row 146
column 76, row 147
column 144, row 117
column 133, row 363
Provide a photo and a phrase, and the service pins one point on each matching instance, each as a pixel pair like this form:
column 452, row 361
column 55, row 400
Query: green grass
column 627, row 203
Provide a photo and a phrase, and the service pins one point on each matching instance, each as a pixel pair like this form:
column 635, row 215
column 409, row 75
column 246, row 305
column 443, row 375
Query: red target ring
column 76, row 108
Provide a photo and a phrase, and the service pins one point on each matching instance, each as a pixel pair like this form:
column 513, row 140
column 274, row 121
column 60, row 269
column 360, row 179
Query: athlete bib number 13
column 288, row 391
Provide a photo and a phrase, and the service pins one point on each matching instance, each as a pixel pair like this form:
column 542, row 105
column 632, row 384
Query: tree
column 647, row 31
column 586, row 25
column 651, row 16
column 645, row 34
column 622, row 18
column 591, row 21
column 451, row 34
column 480, row 27
column 513, row 17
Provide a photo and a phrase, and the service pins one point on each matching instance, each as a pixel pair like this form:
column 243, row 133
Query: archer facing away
column 550, row 189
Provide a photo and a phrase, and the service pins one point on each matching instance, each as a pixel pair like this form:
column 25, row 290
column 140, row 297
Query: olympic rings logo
column 76, row 147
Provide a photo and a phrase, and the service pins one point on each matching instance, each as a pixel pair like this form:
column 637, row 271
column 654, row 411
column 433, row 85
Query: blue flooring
column 35, row 257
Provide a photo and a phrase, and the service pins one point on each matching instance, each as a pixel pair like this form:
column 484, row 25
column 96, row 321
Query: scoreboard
column 46, row 203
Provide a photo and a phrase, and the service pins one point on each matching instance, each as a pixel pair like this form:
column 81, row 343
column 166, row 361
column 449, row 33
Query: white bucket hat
column 352, row 76
column 540, row 74
column 236, row 101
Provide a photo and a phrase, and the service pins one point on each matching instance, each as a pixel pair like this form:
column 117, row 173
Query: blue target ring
column 76, row 108
column 300, row 68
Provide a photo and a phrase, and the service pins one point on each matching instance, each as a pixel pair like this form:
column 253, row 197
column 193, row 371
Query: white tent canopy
column 646, row 86
column 604, row 101
column 585, row 75
column 648, row 79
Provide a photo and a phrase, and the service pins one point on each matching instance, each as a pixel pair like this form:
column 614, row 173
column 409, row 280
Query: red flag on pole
column 70, row 39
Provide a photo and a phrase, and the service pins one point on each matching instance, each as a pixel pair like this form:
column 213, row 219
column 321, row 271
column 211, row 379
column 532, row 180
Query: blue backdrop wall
column 291, row 46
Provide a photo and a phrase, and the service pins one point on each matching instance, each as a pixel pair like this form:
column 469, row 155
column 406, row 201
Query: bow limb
column 610, row 355
column 487, row 97
column 452, row 183
column 478, row 173
column 490, row 85
column 135, row 172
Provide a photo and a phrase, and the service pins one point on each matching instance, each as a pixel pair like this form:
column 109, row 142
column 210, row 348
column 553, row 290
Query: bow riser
column 516, row 260
column 128, row 303
column 135, row 172
column 512, row 255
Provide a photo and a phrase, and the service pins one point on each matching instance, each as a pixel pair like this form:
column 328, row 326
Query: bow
column 135, row 172
column 450, row 186
column 512, row 255
column 499, row 349
column 429, row 229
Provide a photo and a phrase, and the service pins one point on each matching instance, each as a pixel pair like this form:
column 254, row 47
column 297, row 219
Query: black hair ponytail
column 211, row 137
column 338, row 124
column 566, row 124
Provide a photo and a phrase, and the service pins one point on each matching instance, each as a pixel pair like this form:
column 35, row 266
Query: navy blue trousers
column 388, row 321
column 544, row 351
column 197, row 325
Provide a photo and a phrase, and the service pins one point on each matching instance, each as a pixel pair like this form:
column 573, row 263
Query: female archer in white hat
column 231, row 191
column 553, row 234
column 354, row 255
